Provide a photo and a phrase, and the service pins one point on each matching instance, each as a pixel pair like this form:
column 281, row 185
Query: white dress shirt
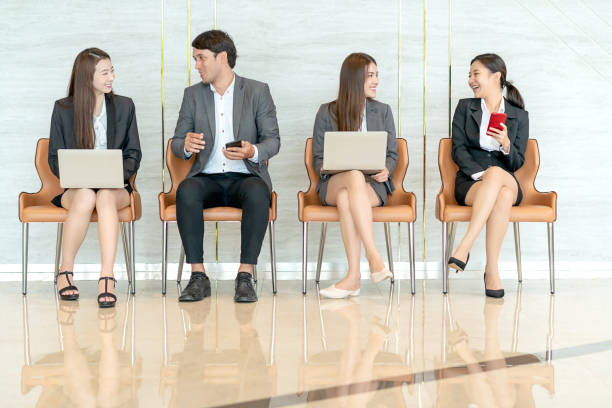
column 224, row 133
column 99, row 125
column 364, row 123
column 487, row 142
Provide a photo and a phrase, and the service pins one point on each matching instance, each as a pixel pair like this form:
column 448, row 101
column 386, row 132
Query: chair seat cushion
column 395, row 213
column 210, row 214
column 521, row 213
column 52, row 213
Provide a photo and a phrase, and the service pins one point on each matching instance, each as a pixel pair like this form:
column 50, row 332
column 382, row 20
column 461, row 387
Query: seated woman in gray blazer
column 92, row 117
column 353, row 193
column 487, row 160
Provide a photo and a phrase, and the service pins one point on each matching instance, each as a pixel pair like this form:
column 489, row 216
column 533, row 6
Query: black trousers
column 238, row 190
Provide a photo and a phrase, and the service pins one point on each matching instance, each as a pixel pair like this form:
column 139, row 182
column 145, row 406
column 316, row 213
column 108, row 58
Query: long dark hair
column 347, row 109
column 81, row 91
column 494, row 64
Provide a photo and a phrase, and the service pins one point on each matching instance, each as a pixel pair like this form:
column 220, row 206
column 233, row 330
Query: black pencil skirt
column 463, row 183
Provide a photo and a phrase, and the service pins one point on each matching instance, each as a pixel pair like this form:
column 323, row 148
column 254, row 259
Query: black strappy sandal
column 72, row 296
column 106, row 293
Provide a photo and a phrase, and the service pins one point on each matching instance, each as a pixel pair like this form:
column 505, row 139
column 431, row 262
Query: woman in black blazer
column 92, row 117
column 487, row 160
column 353, row 193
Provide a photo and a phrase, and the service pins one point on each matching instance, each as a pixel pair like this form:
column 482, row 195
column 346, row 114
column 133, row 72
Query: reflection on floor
column 384, row 349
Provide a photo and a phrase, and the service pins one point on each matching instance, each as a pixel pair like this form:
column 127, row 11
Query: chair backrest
column 525, row 175
column 50, row 184
column 177, row 167
column 397, row 177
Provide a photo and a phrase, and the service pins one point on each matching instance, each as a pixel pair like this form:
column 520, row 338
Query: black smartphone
column 235, row 143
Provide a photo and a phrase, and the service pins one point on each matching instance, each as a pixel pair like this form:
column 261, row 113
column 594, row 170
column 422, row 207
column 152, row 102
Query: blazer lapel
column 238, row 98
column 372, row 118
column 209, row 105
column 110, row 122
column 476, row 111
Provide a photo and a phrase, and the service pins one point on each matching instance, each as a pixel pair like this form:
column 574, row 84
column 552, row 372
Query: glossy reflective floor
column 383, row 349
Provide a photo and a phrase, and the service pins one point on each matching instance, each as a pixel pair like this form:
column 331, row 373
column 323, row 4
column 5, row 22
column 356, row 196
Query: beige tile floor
column 383, row 349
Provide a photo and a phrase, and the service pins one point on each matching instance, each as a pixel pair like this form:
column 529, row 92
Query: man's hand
column 240, row 153
column 194, row 142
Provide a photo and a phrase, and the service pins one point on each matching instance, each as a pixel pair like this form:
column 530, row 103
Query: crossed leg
column 355, row 198
column 491, row 201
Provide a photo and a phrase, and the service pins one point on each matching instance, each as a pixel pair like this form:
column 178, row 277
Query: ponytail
column 513, row 95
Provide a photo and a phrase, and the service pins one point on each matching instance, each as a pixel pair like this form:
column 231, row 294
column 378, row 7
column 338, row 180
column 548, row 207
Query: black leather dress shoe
column 245, row 290
column 197, row 289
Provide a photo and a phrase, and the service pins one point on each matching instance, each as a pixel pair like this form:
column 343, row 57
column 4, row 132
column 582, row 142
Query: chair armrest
column 440, row 205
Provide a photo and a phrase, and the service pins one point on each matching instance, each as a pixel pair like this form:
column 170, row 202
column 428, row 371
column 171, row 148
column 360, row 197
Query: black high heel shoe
column 457, row 265
column 106, row 293
column 493, row 293
column 71, row 296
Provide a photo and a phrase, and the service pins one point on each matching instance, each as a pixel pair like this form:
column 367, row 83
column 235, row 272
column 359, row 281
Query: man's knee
column 255, row 191
column 186, row 191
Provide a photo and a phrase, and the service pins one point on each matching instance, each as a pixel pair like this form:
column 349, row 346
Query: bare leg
column 80, row 203
column 497, row 225
column 482, row 197
column 108, row 201
column 361, row 198
column 352, row 244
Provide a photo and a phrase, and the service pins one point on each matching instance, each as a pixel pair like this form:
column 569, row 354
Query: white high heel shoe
column 333, row 292
column 381, row 276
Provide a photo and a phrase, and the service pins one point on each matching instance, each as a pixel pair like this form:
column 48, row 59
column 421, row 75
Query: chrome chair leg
column 181, row 263
column 255, row 273
column 58, row 248
column 126, row 255
column 411, row 255
column 25, row 227
column 389, row 250
column 304, row 255
column 132, row 256
column 273, row 256
column 321, row 247
column 517, row 250
column 164, row 256
column 452, row 231
column 444, row 257
column 551, row 255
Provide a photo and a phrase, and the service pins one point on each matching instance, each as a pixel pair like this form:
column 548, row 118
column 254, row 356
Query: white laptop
column 365, row 151
column 89, row 168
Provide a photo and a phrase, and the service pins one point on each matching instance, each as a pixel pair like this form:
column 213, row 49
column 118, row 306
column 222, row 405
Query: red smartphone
column 496, row 120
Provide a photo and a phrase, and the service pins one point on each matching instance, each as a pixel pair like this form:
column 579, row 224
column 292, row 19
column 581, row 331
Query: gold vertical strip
column 450, row 63
column 188, row 42
column 215, row 11
column 399, row 101
column 424, row 123
column 217, row 242
column 163, row 103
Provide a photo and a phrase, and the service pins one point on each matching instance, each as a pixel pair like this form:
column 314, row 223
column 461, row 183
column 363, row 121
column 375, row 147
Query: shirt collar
column 228, row 91
column 502, row 106
column 102, row 112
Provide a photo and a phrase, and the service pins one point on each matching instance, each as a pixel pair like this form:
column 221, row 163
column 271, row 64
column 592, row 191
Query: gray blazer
column 254, row 118
column 378, row 118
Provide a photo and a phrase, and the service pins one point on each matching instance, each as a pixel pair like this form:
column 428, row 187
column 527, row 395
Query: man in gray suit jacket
column 229, row 123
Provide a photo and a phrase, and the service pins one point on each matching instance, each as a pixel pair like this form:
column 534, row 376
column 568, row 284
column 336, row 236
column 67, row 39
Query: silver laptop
column 88, row 168
column 365, row 151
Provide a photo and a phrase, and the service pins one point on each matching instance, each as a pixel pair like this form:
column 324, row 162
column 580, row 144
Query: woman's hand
column 382, row 176
column 501, row 136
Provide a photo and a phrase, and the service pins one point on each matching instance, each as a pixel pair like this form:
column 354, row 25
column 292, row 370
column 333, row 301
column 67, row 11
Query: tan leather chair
column 178, row 169
column 536, row 206
column 37, row 207
column 401, row 207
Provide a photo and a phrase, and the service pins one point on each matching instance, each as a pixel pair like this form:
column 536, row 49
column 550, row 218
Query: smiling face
column 371, row 80
column 103, row 78
column 482, row 81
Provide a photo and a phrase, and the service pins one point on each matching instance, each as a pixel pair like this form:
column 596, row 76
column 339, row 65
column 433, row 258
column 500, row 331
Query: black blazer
column 378, row 118
column 121, row 132
column 468, row 154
